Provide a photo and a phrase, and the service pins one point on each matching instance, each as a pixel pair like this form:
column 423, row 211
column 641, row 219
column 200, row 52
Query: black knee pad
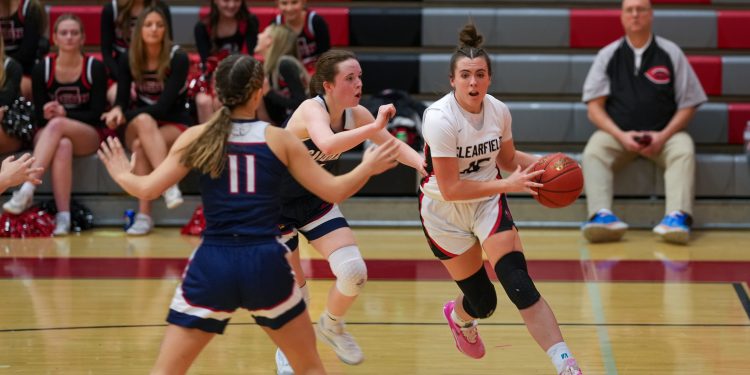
column 514, row 276
column 480, row 299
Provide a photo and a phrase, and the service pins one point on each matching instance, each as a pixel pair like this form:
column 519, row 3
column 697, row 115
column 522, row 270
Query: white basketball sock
column 460, row 322
column 559, row 353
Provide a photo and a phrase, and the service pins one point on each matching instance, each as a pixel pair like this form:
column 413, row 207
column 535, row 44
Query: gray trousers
column 604, row 155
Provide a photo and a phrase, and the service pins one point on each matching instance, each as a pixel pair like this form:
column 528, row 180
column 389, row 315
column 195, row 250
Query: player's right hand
column 112, row 154
column 380, row 158
column 17, row 171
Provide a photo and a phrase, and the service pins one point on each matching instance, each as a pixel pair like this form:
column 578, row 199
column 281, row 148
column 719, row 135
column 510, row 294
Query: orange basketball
column 562, row 179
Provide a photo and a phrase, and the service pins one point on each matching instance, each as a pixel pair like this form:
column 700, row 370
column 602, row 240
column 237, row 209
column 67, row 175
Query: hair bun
column 470, row 37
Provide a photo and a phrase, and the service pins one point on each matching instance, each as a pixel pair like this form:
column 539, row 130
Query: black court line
column 666, row 325
column 742, row 295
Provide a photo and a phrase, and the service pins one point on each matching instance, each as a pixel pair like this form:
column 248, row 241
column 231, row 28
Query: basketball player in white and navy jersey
column 304, row 211
column 241, row 262
column 465, row 214
column 332, row 123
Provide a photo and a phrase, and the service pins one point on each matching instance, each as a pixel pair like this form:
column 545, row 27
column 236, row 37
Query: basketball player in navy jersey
column 69, row 98
column 241, row 262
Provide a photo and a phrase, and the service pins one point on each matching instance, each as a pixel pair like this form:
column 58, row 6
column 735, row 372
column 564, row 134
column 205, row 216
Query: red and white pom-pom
column 34, row 222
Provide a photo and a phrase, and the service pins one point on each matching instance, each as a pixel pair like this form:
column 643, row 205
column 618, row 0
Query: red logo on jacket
column 659, row 75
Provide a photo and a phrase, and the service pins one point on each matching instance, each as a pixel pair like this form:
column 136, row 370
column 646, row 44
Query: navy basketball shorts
column 311, row 216
column 452, row 228
column 225, row 274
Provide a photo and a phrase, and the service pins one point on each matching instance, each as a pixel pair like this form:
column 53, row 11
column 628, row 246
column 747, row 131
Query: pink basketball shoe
column 467, row 339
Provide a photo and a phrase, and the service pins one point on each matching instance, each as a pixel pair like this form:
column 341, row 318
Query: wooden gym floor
column 95, row 304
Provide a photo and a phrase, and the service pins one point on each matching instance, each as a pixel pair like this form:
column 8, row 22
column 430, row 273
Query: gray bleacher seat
column 550, row 27
column 567, row 123
column 521, row 28
column 715, row 175
column 555, row 74
column 735, row 79
column 687, row 28
column 742, row 175
column 518, row 27
column 710, row 125
column 533, row 74
column 440, row 26
column 637, row 179
column 87, row 176
column 184, row 19
column 514, row 73
column 542, row 122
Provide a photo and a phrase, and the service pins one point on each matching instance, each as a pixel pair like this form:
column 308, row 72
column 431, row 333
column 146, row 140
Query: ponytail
column 207, row 153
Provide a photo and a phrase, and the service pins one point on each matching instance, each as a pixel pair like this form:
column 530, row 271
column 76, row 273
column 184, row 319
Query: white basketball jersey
column 474, row 139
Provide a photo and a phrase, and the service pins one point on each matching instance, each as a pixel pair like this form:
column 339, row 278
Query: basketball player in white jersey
column 464, row 210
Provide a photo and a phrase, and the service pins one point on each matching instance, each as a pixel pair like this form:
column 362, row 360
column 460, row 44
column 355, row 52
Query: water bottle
column 402, row 136
column 129, row 216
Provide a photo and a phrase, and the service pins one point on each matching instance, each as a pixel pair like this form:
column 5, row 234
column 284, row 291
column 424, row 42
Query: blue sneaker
column 675, row 227
column 604, row 226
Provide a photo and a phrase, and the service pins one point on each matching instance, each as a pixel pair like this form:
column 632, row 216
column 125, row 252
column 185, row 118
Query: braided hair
column 238, row 77
column 470, row 43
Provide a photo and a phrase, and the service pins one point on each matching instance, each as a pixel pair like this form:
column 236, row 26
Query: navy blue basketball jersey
column 292, row 189
column 245, row 200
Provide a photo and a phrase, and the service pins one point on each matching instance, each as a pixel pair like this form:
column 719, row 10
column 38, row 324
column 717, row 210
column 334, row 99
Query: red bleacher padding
column 90, row 16
column 739, row 115
column 708, row 69
column 337, row 19
column 594, row 27
column 733, row 29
